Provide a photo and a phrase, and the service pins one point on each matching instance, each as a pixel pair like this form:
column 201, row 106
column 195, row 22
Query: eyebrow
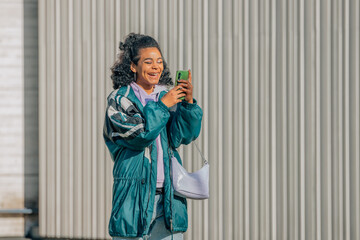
column 152, row 59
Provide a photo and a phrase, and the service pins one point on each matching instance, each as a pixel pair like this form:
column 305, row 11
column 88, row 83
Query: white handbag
column 190, row 185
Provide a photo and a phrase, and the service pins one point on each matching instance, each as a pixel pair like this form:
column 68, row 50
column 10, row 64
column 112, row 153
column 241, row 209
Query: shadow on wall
column 31, row 126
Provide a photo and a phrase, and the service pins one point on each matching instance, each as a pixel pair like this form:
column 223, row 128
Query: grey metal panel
column 279, row 85
column 18, row 116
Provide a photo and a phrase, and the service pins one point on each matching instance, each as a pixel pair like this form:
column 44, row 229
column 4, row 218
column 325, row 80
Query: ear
column 132, row 67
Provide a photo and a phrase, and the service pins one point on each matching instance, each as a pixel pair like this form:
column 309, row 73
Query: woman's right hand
column 172, row 97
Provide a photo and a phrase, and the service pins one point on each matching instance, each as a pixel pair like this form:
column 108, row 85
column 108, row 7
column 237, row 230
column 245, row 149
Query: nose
column 156, row 65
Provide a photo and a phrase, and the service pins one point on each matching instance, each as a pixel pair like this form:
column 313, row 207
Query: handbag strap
column 197, row 147
column 202, row 156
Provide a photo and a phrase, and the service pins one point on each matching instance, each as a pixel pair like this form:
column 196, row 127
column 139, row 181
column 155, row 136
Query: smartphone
column 183, row 75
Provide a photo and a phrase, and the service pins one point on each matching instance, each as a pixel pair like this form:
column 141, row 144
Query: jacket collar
column 128, row 92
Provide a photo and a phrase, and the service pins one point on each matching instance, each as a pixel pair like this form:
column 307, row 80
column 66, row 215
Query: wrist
column 189, row 100
column 163, row 104
column 188, row 106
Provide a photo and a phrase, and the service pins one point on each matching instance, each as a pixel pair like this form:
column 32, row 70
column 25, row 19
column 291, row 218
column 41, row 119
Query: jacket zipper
column 171, row 188
column 147, row 207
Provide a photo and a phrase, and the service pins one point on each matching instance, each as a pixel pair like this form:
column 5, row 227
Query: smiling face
column 149, row 68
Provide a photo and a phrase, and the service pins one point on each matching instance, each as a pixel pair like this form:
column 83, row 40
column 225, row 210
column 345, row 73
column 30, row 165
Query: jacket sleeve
column 185, row 124
column 126, row 126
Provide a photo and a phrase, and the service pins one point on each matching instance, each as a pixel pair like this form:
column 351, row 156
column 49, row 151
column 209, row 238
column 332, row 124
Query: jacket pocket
column 127, row 216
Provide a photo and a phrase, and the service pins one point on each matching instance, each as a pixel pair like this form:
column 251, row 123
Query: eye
column 160, row 61
column 148, row 62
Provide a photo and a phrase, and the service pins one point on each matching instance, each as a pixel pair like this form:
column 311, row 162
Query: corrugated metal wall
column 279, row 85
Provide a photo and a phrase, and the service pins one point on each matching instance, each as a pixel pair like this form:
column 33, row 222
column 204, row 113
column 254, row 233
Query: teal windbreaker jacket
column 130, row 131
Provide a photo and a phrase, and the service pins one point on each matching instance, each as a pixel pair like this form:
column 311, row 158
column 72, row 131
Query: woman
column 143, row 121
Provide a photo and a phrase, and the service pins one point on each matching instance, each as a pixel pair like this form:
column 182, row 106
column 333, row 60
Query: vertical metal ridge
column 112, row 55
column 268, row 117
column 354, row 102
column 185, row 61
column 163, row 14
column 42, row 117
column 228, row 109
column 254, row 121
column 311, row 140
column 290, row 117
column 127, row 16
column 284, row 77
column 247, row 119
column 346, row 119
column 156, row 18
column 96, row 8
column 78, row 220
column 302, row 119
column 219, row 116
column 205, row 71
column 327, row 87
column 142, row 16
column 180, row 35
column 108, row 34
column 117, row 28
column 318, row 120
column 238, row 121
column 87, row 121
column 71, row 120
column 356, row 52
column 334, row 122
column 64, row 117
column 58, row 128
column 213, row 118
column 57, row 113
column 50, row 111
column 193, row 58
column 273, row 116
column 296, row 118
column 340, row 119
column 264, row 119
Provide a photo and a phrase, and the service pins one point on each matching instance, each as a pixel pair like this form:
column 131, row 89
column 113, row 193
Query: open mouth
column 154, row 74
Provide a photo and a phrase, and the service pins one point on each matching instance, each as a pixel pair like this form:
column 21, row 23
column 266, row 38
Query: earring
column 134, row 76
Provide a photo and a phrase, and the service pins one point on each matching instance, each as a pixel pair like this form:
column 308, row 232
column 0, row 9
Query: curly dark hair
column 121, row 73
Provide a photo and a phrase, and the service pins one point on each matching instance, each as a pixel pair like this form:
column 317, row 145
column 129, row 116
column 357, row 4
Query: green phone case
column 181, row 74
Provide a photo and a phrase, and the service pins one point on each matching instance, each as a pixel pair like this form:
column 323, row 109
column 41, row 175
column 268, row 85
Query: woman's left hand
column 187, row 88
